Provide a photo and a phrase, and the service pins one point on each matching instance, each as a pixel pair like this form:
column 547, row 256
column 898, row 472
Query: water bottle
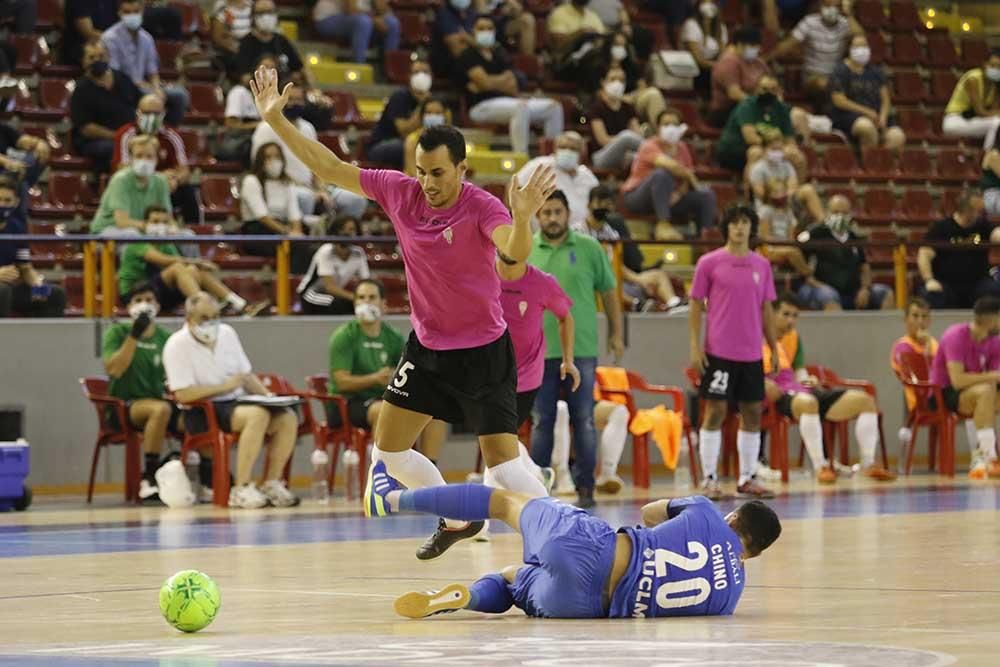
column 320, row 484
column 682, row 474
column 192, row 463
column 905, row 439
column 349, row 461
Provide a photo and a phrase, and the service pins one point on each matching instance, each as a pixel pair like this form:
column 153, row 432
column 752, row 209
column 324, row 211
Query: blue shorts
column 816, row 298
column 568, row 556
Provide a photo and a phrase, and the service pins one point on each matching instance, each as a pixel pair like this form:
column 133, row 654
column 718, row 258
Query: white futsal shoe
column 247, row 497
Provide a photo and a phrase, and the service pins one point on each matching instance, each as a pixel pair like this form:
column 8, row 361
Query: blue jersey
column 689, row 565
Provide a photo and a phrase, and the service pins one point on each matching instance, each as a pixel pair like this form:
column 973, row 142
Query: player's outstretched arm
column 654, row 513
column 515, row 241
column 321, row 161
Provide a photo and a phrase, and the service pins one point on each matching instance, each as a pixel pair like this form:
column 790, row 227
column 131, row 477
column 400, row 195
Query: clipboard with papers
column 269, row 401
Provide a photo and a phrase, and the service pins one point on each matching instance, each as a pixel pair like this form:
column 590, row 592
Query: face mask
column 567, row 159
column 137, row 309
column 861, row 54
column 993, row 74
column 600, row 214
column 367, row 312
column 751, row 52
column 461, row 5
column 207, row 332
column 150, row 123
column 614, row 89
column 132, row 21
column 619, row 53
column 273, row 168
column 708, row 9
column 433, row 119
column 98, row 68
column 421, row 82
column 144, row 167
column 294, row 111
column 157, row 229
column 266, row 22
column 830, row 14
column 766, row 99
column 775, row 155
column 839, row 223
column 672, row 133
column 486, row 38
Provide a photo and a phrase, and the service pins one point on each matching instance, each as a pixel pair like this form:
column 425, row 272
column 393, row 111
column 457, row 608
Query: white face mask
column 433, row 119
column 137, row 309
column 861, row 54
column 614, row 89
column 157, row 229
column 751, row 52
column 266, row 22
column 421, row 82
column 775, row 155
column 367, row 312
column 132, row 21
column 829, row 14
column 993, row 73
column 619, row 53
column 273, row 168
column 567, row 159
column 144, row 167
column 486, row 38
column 672, row 133
column 207, row 332
column 709, row 10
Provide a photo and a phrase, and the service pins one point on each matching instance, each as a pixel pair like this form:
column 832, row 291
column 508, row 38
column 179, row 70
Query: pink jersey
column 735, row 289
column 524, row 302
column 957, row 345
column 448, row 255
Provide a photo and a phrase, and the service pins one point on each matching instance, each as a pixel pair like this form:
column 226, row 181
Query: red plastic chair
column 879, row 206
column 877, row 43
column 943, row 84
column 917, row 207
column 908, row 87
column 941, row 51
column 879, row 164
column 220, row 442
column 906, row 51
column 975, row 52
column 915, row 166
column 110, row 433
column 834, row 431
column 903, row 17
column 414, row 28
column 340, row 437
column 397, row 66
column 870, row 14
column 220, row 197
column 929, row 411
column 207, row 103
column 840, row 163
column 954, row 165
column 278, row 384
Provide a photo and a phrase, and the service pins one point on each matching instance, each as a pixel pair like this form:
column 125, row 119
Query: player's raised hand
column 525, row 200
column 264, row 86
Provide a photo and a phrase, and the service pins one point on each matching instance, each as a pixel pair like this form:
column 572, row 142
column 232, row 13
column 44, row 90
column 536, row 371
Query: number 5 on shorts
column 720, row 382
column 401, row 374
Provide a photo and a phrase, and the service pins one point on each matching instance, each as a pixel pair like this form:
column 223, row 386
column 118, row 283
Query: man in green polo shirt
column 133, row 358
column 131, row 191
column 742, row 140
column 582, row 268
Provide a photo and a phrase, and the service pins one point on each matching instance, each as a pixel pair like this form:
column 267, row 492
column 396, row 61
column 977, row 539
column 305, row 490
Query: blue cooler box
column 14, row 466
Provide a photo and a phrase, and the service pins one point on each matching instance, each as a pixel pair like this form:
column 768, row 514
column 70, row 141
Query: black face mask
column 295, row 111
column 767, row 99
column 600, row 214
column 98, row 68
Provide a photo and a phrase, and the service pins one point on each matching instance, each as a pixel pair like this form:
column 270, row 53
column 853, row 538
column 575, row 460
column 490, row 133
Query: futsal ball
column 189, row 600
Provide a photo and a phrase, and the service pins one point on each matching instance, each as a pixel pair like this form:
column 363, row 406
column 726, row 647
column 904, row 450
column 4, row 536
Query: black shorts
column 525, row 404
column 732, row 381
column 476, row 386
column 172, row 424
column 170, row 299
column 194, row 418
column 950, row 396
column 825, row 397
column 357, row 412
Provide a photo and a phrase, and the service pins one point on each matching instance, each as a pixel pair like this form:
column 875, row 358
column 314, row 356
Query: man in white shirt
column 574, row 179
column 205, row 360
column 323, row 290
column 307, row 187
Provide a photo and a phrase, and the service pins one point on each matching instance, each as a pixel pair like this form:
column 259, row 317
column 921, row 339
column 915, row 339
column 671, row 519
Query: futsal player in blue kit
column 686, row 561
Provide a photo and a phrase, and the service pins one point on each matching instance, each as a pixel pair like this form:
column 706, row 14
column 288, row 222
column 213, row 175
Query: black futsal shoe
column 444, row 537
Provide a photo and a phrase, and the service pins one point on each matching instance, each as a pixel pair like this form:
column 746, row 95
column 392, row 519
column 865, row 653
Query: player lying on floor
column 686, row 561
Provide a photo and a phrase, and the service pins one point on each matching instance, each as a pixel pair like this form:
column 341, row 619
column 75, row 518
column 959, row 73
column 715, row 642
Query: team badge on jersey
column 756, row 277
column 447, row 235
column 522, row 306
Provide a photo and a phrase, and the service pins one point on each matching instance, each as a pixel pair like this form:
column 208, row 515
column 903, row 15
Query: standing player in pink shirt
column 735, row 285
column 967, row 368
column 458, row 365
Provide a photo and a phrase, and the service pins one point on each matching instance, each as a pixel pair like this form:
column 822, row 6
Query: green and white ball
column 190, row 600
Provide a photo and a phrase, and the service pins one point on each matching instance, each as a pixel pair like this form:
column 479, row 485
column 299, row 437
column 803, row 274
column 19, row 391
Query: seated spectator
column 102, row 101
column 576, row 38
column 842, row 276
column 357, row 20
column 957, row 278
column 232, row 20
column 859, row 94
column 967, row 369
column 400, row 116
column 773, row 169
column 705, row 36
column 974, row 107
column 573, row 177
column 23, row 157
column 433, row 112
column 269, row 206
column 131, row 191
column 84, row 22
column 313, row 196
column 171, row 276
column 22, row 289
column 614, row 124
column 741, row 142
column 644, row 287
column 989, row 183
column 492, row 94
column 648, row 100
column 513, row 21
column 132, row 351
column 662, row 182
column 172, row 161
column 205, row 360
column 451, row 34
column 824, row 38
column 242, row 118
column 133, row 52
column 736, row 74
column 334, row 267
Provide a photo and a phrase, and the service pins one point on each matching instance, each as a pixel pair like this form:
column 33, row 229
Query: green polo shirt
column 145, row 377
column 134, row 267
column 352, row 350
column 581, row 266
column 124, row 193
column 748, row 112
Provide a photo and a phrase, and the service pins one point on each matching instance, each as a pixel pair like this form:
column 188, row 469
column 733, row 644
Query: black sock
column 205, row 472
column 152, row 464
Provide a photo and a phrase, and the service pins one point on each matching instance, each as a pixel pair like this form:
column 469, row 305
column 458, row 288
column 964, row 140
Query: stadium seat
column 870, row 14
column 903, row 17
column 955, row 166
column 914, row 166
column 73, row 286
column 876, row 254
column 917, row 207
column 975, row 52
column 196, row 147
column 24, row 104
column 930, row 412
column 879, row 164
column 169, row 51
column 876, row 42
column 916, row 124
column 247, row 287
column 50, row 15
column 28, row 53
column 336, row 142
column 207, row 103
column 942, row 86
column 908, row 87
column 941, row 51
column 66, row 190
column 60, row 159
column 414, row 27
column 220, row 197
column 693, row 118
column 839, row 163
column 345, row 110
column 192, row 19
column 114, row 428
column 56, row 93
column 905, row 52
column 397, row 66
column 333, row 439
column 726, row 194
column 530, row 65
column 879, row 206
column 949, row 200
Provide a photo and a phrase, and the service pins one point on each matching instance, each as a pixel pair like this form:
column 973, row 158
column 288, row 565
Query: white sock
column 748, row 445
column 709, row 446
column 613, row 441
column 560, row 437
column 987, row 439
column 413, row 470
column 866, row 431
column 514, row 476
column 530, row 464
column 236, row 301
column 811, row 431
column 970, row 434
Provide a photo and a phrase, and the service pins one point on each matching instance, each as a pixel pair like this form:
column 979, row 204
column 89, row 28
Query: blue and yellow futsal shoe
column 379, row 485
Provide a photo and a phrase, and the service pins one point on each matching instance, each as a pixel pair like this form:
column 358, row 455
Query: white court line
column 81, row 597
column 328, row 593
column 184, row 650
column 90, row 649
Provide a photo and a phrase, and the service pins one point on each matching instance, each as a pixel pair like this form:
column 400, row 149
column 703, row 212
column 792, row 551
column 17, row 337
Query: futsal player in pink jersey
column 967, row 368
column 458, row 364
column 735, row 285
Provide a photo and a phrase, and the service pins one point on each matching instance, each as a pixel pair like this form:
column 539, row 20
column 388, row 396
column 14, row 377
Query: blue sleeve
column 677, row 505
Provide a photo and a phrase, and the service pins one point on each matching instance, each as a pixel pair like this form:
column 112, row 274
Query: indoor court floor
column 902, row 574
